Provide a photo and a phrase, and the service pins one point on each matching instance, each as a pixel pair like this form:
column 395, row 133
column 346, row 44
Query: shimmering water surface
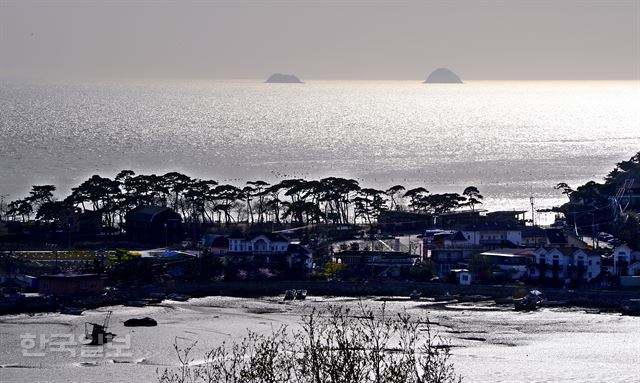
column 511, row 139
column 492, row 344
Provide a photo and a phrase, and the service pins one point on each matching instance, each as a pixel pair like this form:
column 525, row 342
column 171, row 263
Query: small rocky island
column 443, row 76
column 283, row 78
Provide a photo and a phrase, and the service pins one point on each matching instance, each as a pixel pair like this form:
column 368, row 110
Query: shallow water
column 511, row 139
column 492, row 343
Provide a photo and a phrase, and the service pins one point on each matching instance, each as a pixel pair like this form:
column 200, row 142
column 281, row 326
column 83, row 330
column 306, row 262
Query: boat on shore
column 140, row 322
column 530, row 302
column 301, row 294
column 289, row 295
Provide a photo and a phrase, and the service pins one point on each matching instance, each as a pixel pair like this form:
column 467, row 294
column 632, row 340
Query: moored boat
column 301, row 294
column 532, row 301
column 289, row 295
column 140, row 322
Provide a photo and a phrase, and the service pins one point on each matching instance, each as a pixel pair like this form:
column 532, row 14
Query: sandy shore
column 492, row 343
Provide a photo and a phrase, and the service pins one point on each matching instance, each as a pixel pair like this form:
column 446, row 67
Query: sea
column 489, row 343
column 512, row 140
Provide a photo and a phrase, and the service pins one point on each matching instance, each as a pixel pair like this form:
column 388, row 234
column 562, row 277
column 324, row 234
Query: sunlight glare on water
column 511, row 139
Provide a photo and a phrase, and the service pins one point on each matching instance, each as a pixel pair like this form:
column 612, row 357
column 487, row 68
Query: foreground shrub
column 335, row 345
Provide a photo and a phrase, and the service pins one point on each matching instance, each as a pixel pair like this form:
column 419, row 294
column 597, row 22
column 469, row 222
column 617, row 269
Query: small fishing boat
column 301, row 294
column 98, row 332
column 140, row 322
column 415, row 295
column 532, row 301
column 289, row 295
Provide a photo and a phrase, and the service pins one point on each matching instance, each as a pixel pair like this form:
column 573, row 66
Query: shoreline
column 606, row 300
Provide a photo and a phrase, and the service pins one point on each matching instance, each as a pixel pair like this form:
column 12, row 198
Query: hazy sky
column 480, row 39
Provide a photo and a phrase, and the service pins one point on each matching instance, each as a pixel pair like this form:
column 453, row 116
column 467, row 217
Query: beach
column 490, row 343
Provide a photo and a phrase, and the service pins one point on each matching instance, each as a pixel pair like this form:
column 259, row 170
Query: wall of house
column 71, row 286
column 621, row 256
column 515, row 237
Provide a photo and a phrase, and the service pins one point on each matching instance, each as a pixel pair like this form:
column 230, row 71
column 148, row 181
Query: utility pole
column 533, row 215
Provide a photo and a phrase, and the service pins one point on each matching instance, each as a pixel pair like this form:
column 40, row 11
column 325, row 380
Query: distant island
column 443, row 76
column 283, row 78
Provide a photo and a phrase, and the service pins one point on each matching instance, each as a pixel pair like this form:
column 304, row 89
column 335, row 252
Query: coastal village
column 128, row 241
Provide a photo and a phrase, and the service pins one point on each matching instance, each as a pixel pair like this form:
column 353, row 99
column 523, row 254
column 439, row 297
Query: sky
column 360, row 40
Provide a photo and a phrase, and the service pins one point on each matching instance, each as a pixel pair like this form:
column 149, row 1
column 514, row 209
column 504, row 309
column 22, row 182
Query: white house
column 566, row 263
column 261, row 243
column 626, row 261
column 493, row 234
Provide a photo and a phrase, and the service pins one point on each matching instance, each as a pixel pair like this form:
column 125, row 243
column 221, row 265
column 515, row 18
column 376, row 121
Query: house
column 459, row 217
column 564, row 264
column 534, row 236
column 71, row 284
column 154, row 225
column 258, row 243
column 377, row 264
column 555, row 237
column 515, row 263
column 448, row 249
column 493, row 234
column 216, row 244
column 393, row 221
column 626, row 261
column 298, row 255
column 585, row 265
column 269, row 249
column 515, row 216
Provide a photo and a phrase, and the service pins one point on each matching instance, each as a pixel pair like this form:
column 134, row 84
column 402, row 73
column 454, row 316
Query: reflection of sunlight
column 510, row 139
